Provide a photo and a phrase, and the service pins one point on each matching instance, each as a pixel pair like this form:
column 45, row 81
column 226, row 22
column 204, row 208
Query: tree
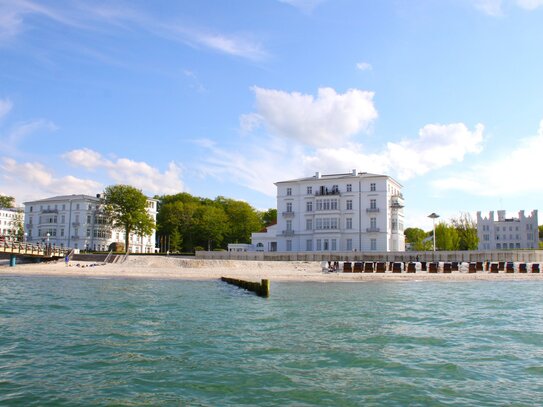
column 446, row 237
column 243, row 219
column 269, row 217
column 467, row 232
column 7, row 201
column 126, row 208
column 211, row 225
column 416, row 237
column 540, row 231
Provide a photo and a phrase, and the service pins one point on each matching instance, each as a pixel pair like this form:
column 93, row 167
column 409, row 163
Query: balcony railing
column 372, row 230
column 328, row 192
column 372, row 209
column 49, row 211
column 288, row 233
column 76, row 224
column 396, row 205
column 288, row 214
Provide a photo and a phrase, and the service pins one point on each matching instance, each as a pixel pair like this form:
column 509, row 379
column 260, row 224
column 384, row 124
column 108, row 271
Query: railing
column 288, row 214
column 76, row 224
column 332, row 192
column 49, row 211
column 287, row 232
column 372, row 230
column 32, row 249
column 372, row 209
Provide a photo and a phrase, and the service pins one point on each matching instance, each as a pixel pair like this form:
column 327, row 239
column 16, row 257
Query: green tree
column 446, row 237
column 269, row 217
column 416, row 237
column 243, row 219
column 466, row 228
column 7, row 201
column 540, row 231
column 126, row 208
column 211, row 226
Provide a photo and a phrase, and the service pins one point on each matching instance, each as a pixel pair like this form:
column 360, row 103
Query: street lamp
column 48, row 234
column 434, row 216
column 25, row 235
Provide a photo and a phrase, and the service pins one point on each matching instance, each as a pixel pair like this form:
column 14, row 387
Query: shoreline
column 206, row 270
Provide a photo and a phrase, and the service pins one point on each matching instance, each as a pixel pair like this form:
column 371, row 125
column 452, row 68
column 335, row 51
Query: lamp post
column 24, row 238
column 434, row 216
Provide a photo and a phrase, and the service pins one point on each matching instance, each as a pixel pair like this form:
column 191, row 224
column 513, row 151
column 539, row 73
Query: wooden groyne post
column 261, row 289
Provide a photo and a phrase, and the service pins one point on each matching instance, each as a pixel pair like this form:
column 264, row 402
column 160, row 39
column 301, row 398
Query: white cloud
column 125, row 171
column 364, row 66
column 330, row 118
column 512, row 174
column 5, row 107
column 530, row 4
column 437, row 146
column 490, row 7
column 304, row 5
column 32, row 180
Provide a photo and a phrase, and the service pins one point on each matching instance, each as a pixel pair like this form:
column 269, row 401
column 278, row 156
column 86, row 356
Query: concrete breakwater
column 261, row 289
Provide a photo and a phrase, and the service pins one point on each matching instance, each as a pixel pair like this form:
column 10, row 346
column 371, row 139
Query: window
column 373, row 223
column 309, row 224
column 486, row 238
column 372, row 186
column 349, row 244
column 373, row 244
column 319, row 245
column 498, row 246
column 349, row 187
column 349, row 204
column 349, row 223
column 333, row 204
column 309, row 190
column 309, row 245
column 309, row 206
column 289, row 225
column 88, row 233
column 319, row 204
column 394, row 224
column 88, row 219
column 289, row 206
column 373, row 203
column 61, row 232
column 289, row 191
column 77, row 207
column 289, row 245
column 334, row 245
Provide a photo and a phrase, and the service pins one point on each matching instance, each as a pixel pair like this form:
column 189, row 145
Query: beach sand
column 171, row 267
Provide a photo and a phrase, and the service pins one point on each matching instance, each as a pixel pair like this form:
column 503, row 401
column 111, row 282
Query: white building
column 11, row 223
column 356, row 211
column 508, row 233
column 78, row 221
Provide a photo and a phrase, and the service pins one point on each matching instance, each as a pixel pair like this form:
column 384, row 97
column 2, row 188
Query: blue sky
column 227, row 97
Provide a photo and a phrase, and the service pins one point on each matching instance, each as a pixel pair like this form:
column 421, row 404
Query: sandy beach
column 164, row 267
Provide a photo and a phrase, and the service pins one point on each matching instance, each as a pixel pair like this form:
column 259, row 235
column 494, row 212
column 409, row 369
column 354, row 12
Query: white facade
column 356, row 211
column 11, row 223
column 508, row 233
column 77, row 221
column 265, row 241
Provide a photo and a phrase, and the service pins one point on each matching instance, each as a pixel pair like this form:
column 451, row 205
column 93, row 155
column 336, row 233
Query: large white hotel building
column 357, row 211
column 77, row 221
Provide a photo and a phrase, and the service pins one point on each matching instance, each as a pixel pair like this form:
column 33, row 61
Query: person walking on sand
column 67, row 260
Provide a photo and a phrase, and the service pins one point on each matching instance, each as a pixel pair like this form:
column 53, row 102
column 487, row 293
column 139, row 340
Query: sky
column 215, row 97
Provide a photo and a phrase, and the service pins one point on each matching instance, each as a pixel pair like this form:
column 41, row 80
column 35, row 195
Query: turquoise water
column 69, row 341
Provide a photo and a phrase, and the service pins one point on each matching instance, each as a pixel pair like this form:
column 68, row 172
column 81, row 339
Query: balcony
column 372, row 230
column 49, row 211
column 287, row 232
column 328, row 192
column 76, row 224
column 372, row 210
column 288, row 214
column 75, row 237
column 396, row 205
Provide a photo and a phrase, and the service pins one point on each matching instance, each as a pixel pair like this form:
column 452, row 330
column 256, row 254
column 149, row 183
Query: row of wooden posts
column 433, row 267
column 261, row 289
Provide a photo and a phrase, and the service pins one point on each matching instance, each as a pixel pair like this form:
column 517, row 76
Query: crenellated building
column 78, row 221
column 355, row 211
column 508, row 233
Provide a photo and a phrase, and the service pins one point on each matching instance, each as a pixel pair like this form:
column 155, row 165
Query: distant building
column 78, row 221
column 356, row 211
column 11, row 223
column 508, row 233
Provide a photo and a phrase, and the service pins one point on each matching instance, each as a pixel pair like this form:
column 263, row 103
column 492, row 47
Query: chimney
column 318, row 175
column 354, row 172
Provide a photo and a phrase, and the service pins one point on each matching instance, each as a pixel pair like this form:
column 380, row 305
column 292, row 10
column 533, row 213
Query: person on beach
column 67, row 260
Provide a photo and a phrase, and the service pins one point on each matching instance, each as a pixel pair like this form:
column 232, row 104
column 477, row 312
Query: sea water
column 75, row 341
